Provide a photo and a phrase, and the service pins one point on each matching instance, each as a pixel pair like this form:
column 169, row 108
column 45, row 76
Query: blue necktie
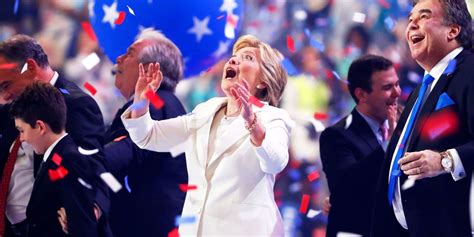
column 395, row 172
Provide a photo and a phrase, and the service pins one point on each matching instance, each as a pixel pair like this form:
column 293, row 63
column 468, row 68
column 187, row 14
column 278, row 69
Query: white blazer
column 237, row 200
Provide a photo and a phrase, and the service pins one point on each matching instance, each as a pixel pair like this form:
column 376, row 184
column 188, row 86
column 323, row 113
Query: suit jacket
column 155, row 199
column 48, row 196
column 352, row 158
column 234, row 194
column 436, row 206
column 85, row 126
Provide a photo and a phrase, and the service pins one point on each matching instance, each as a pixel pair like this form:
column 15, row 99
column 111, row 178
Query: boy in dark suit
column 64, row 177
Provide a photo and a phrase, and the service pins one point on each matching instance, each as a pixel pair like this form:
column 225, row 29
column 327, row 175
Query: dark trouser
column 16, row 230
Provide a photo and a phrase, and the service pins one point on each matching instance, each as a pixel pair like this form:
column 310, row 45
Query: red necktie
column 5, row 184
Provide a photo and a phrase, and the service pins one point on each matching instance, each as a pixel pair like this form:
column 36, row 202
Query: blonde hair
column 273, row 75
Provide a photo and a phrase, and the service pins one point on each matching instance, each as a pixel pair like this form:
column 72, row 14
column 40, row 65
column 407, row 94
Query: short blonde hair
column 273, row 76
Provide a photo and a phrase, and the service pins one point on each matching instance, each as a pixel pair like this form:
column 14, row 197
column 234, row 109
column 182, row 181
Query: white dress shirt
column 375, row 127
column 459, row 172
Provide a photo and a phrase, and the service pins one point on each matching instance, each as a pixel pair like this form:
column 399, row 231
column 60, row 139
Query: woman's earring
column 259, row 86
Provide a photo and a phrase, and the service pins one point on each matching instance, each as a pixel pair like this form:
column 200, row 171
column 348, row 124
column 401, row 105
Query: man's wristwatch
column 447, row 161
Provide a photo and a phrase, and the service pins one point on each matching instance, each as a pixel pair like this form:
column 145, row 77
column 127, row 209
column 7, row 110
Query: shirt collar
column 54, row 79
column 50, row 148
column 374, row 125
column 439, row 68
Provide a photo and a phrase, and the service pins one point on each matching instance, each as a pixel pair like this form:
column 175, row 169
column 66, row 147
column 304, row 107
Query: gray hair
column 165, row 52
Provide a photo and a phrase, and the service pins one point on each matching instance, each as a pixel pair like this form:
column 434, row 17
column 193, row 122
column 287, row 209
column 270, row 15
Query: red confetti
column 256, row 101
column 119, row 138
column 304, row 203
column 186, row 187
column 320, row 116
column 90, row 88
column 57, row 159
column 232, row 21
column 220, row 17
column 86, row 26
column 7, row 66
column 154, row 99
column 440, row 125
column 272, row 8
column 313, row 176
column 290, row 43
column 57, row 174
column 121, row 18
column 384, row 4
column 174, row 233
column 255, row 24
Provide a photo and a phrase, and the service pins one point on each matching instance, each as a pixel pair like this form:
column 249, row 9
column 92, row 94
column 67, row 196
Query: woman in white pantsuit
column 234, row 149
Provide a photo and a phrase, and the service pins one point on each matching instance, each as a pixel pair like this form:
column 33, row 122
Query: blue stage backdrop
column 198, row 27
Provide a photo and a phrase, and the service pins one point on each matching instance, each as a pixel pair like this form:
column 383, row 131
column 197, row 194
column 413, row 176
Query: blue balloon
column 196, row 27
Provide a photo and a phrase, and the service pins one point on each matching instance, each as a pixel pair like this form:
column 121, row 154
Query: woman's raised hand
column 151, row 79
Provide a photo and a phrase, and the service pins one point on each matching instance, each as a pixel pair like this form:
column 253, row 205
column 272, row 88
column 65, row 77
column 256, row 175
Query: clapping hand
column 149, row 80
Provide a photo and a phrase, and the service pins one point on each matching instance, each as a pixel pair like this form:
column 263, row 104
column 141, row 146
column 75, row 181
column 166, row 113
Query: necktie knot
column 427, row 79
column 384, row 132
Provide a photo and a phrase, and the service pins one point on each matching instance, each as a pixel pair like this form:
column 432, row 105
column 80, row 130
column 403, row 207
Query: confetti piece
column 253, row 100
column 24, row 68
column 408, row 184
column 389, row 23
column 178, row 149
column 220, row 17
column 439, row 125
column 289, row 67
column 15, row 7
column 304, row 203
column 347, row 234
column 173, row 233
column 313, row 176
column 119, row 138
column 87, row 152
column 57, row 159
column 232, row 20
column 451, row 67
column 312, row 213
column 111, row 181
column 290, row 43
column 181, row 220
column 358, row 17
column 86, row 26
column 186, row 187
column 90, row 88
column 7, row 66
column 229, row 31
column 127, row 186
column 90, row 61
column 320, row 116
column 348, row 121
column 336, row 75
column 57, row 174
column 138, row 105
column 272, row 8
column 154, row 99
column 317, row 45
column 64, row 91
column 131, row 10
column 84, row 183
column 120, row 18
column 384, row 4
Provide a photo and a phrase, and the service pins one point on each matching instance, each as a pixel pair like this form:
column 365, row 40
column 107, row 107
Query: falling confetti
column 253, row 100
column 127, row 186
column 119, row 138
column 154, row 99
column 87, row 152
column 57, row 159
column 290, row 43
column 86, row 26
column 313, row 176
column 358, row 17
column 57, row 174
column 186, row 187
column 289, row 67
column 181, row 220
column 220, row 17
column 90, row 61
column 440, row 125
column 131, row 10
column 312, row 213
column 15, row 7
column 408, row 184
column 120, row 18
column 347, row 234
column 173, row 233
column 320, row 116
column 7, row 66
column 111, row 181
column 24, row 68
column 90, row 88
column 451, row 67
column 64, row 91
column 138, row 105
column 84, row 183
column 304, row 203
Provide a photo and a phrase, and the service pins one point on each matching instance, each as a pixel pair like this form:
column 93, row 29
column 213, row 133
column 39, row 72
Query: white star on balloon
column 110, row 14
column 228, row 6
column 200, row 28
column 222, row 49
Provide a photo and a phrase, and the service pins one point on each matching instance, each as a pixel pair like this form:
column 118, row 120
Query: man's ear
column 31, row 67
column 360, row 94
column 454, row 31
column 42, row 126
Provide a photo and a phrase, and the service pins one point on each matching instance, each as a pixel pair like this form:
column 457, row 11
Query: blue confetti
column 338, row 77
column 15, row 7
column 126, row 184
column 294, row 174
column 290, row 68
column 180, row 220
column 389, row 23
column 139, row 105
column 451, row 67
column 64, row 91
column 317, row 45
column 308, row 33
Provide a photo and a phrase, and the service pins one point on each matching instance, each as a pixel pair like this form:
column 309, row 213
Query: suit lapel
column 363, row 130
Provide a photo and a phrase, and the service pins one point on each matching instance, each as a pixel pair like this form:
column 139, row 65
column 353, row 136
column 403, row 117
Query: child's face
column 31, row 135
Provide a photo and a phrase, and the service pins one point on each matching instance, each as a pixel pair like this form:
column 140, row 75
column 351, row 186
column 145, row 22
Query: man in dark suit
column 154, row 178
column 65, row 176
column 84, row 123
column 352, row 150
column 433, row 143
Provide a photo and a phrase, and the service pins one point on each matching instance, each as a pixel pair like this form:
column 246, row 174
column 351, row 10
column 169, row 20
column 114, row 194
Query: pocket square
column 444, row 101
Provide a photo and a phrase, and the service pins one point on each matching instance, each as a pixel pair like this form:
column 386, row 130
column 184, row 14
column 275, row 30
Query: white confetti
column 24, row 68
column 131, row 10
column 84, row 183
column 87, row 152
column 408, row 184
column 348, row 121
column 358, row 17
column 347, row 234
column 91, row 61
column 111, row 181
column 312, row 213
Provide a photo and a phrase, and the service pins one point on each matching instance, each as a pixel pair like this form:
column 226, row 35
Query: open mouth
column 230, row 73
column 416, row 38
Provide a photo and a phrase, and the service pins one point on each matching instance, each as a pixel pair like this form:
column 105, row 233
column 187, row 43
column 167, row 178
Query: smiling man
column 352, row 150
column 438, row 156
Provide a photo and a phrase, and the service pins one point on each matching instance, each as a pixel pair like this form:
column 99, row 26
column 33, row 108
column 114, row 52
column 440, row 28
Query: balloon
column 204, row 30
